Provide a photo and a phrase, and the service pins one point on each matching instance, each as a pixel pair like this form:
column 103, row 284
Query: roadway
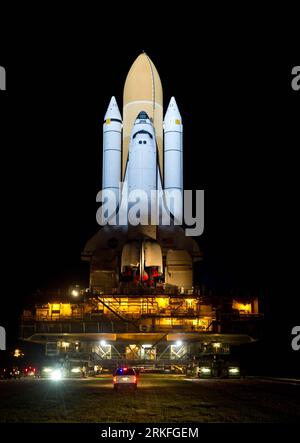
column 159, row 399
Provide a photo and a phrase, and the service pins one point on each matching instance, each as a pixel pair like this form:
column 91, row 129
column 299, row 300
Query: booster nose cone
column 113, row 112
column 172, row 114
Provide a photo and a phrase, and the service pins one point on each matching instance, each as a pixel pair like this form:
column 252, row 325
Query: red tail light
column 134, row 379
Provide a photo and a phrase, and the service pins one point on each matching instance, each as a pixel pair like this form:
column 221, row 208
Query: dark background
column 241, row 141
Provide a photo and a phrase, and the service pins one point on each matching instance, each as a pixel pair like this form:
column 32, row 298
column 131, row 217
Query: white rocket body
column 173, row 159
column 112, row 135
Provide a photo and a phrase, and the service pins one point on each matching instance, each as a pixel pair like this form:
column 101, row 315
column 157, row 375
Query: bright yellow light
column 165, row 321
column 65, row 309
column 244, row 308
column 75, row 293
column 56, row 307
column 162, row 302
column 18, row 353
column 75, row 370
column 217, row 345
column 65, row 344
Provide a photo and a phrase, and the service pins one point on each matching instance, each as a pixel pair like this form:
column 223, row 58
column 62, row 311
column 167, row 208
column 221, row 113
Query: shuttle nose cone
column 143, row 116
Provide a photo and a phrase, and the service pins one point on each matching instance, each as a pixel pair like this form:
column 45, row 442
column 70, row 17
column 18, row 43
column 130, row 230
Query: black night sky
column 241, row 134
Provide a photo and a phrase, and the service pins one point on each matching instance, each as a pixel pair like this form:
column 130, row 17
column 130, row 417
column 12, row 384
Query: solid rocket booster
column 112, row 140
column 173, row 157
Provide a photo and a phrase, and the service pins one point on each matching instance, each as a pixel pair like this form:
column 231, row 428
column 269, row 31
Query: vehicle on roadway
column 218, row 368
column 29, row 371
column 76, row 371
column 52, row 372
column 124, row 377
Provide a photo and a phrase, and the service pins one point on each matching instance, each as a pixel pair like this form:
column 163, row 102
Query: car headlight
column 47, row 370
column 56, row 375
column 205, row 370
column 234, row 370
